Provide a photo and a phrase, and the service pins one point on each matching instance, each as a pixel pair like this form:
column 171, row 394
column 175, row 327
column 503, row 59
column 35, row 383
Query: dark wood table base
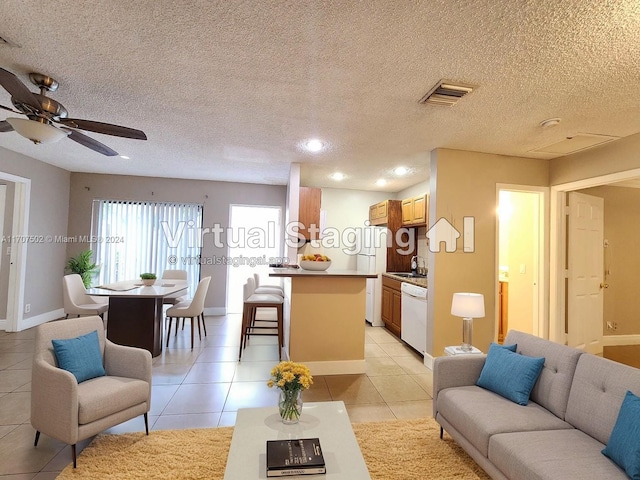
column 136, row 322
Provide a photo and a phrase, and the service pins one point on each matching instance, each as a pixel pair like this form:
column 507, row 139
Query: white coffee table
column 326, row 420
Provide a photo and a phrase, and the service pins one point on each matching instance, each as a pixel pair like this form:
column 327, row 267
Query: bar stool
column 255, row 326
column 269, row 289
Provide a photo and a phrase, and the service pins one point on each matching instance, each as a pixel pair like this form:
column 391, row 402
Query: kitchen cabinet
column 385, row 212
column 309, row 211
column 415, row 211
column 389, row 214
column 391, row 305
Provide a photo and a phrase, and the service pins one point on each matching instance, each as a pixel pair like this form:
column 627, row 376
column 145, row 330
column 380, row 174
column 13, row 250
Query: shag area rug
column 398, row 449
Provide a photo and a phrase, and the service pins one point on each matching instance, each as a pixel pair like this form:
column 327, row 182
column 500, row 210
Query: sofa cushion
column 510, row 374
column 80, row 355
column 478, row 414
column 598, row 389
column 565, row 454
column 553, row 386
column 103, row 396
column 624, row 443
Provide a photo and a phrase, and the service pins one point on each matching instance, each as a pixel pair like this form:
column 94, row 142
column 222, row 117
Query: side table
column 456, row 350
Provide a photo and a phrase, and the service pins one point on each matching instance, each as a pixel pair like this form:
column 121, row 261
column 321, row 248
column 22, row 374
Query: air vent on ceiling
column 447, row 93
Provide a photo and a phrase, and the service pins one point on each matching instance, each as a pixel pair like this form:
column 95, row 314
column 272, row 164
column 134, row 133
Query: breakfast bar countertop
column 299, row 272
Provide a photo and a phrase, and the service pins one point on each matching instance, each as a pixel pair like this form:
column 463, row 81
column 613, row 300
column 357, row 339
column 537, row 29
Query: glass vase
column 290, row 405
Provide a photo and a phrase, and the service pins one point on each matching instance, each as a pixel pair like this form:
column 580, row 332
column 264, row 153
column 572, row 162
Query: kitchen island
column 324, row 319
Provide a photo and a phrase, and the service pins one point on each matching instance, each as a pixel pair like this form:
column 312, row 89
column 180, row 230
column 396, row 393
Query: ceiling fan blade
column 18, row 90
column 89, row 142
column 11, row 110
column 5, row 126
column 106, row 128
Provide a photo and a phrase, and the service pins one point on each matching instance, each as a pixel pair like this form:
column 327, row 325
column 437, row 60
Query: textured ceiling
column 227, row 90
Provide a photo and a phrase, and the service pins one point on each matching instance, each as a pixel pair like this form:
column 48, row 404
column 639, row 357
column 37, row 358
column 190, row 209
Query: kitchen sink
column 407, row 275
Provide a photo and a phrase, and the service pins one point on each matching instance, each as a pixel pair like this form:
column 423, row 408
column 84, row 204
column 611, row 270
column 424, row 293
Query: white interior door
column 586, row 272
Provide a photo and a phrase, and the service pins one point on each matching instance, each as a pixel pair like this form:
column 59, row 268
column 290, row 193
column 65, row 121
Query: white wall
column 346, row 209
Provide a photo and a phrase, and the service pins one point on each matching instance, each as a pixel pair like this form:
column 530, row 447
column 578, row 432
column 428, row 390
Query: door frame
column 18, row 258
column 541, row 327
column 558, row 240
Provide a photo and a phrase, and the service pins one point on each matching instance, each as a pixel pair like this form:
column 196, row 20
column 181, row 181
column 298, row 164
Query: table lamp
column 468, row 306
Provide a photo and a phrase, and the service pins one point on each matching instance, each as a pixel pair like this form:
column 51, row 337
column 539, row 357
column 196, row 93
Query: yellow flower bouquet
column 291, row 378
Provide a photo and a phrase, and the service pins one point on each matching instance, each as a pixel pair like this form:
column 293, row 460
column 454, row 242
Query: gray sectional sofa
column 559, row 434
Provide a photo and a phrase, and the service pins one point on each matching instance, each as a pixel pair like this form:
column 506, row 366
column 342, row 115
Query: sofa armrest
column 54, row 401
column 129, row 362
column 456, row 371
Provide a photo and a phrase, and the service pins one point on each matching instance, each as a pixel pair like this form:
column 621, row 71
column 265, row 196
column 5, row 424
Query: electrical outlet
column 613, row 326
column 27, row 308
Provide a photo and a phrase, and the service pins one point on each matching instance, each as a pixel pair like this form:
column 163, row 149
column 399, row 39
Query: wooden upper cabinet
column 415, row 211
column 309, row 211
column 381, row 213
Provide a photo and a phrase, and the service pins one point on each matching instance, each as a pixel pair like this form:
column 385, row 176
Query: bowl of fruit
column 315, row 262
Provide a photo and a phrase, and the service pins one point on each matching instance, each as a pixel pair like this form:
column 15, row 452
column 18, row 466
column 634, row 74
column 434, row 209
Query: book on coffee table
column 294, row 457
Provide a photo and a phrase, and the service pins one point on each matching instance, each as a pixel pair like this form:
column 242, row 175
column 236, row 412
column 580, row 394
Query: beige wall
column 215, row 196
column 464, row 184
column 48, row 214
column 621, row 257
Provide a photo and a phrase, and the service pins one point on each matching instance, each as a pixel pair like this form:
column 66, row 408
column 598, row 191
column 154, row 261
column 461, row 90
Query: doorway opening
column 254, row 241
column 18, row 205
column 521, row 255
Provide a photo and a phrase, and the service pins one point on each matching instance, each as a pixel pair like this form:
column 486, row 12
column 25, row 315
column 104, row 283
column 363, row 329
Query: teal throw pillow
column 624, row 443
column 80, row 356
column 511, row 347
column 510, row 374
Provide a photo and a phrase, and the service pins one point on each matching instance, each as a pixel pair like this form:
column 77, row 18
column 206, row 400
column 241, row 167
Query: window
column 130, row 238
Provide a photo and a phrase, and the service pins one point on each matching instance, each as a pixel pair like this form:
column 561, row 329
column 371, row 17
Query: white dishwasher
column 414, row 316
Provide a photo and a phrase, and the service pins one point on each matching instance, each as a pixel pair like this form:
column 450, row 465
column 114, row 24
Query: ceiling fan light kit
column 35, row 131
column 43, row 112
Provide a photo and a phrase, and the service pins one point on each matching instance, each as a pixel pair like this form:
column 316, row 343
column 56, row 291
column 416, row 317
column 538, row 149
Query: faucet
column 422, row 271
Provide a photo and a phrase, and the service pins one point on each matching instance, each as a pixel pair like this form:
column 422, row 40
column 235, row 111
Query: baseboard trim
column 428, row 361
column 215, row 311
column 40, row 319
column 618, row 340
column 338, row 367
column 3, row 324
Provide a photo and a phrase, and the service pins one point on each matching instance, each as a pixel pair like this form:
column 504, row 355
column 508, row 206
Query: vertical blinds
column 130, row 238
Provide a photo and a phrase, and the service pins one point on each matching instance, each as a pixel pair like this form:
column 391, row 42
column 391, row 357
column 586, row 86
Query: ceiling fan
column 43, row 112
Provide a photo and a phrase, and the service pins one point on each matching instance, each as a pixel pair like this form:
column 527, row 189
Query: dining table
column 135, row 315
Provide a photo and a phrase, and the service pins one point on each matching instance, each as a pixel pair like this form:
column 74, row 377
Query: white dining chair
column 193, row 310
column 76, row 300
column 176, row 298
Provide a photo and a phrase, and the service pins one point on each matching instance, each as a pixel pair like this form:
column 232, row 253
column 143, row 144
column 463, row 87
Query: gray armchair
column 70, row 411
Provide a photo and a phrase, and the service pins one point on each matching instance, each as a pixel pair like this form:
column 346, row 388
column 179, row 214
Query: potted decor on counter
column 83, row 266
column 291, row 378
column 148, row 279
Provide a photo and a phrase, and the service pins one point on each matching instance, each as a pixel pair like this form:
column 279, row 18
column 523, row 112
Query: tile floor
column 205, row 387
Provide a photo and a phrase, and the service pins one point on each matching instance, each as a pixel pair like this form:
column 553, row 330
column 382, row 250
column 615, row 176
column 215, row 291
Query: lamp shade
column 468, row 305
column 35, row 131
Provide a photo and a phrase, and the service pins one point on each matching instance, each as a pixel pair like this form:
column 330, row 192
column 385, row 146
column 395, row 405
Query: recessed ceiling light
column 338, row 176
column 381, row 182
column 125, row 157
column 313, row 145
column 401, row 171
